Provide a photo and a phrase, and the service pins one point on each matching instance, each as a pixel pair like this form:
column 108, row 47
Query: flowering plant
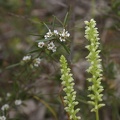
column 49, row 45
column 68, row 84
column 95, row 68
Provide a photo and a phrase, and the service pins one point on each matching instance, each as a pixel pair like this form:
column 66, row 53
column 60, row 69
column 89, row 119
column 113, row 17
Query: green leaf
column 35, row 50
column 53, row 24
column 44, row 40
column 58, row 20
column 47, row 105
column 65, row 47
column 45, row 25
column 35, row 34
column 66, row 19
column 81, row 99
column 14, row 65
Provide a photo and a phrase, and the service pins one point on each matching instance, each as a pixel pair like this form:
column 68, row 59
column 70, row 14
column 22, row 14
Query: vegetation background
column 21, row 24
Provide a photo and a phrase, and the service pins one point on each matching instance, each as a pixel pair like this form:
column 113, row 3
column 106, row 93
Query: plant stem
column 71, row 24
column 93, row 8
column 97, row 114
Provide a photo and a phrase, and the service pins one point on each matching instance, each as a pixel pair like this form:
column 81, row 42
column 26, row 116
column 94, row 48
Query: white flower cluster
column 37, row 62
column 5, row 107
column 2, row 118
column 51, row 46
column 18, row 102
column 26, row 58
column 62, row 35
column 48, row 34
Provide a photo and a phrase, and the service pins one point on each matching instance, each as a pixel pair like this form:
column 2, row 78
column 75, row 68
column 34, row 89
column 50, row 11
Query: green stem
column 97, row 114
column 93, row 8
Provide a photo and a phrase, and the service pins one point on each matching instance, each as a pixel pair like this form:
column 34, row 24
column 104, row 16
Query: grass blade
column 12, row 66
column 48, row 106
column 44, row 40
column 66, row 19
column 35, row 50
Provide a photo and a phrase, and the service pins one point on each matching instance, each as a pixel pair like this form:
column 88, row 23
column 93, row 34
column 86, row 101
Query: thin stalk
column 71, row 25
column 97, row 114
column 93, row 8
column 96, row 101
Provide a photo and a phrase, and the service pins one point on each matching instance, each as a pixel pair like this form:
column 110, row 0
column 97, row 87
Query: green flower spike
column 68, row 84
column 95, row 68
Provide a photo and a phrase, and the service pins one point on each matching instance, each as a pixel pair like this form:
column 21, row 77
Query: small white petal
column 18, row 102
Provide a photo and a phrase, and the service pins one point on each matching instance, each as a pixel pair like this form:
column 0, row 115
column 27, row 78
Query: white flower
column 41, row 44
column 50, row 46
column 37, row 61
column 63, row 35
column 26, row 58
column 62, row 39
column 8, row 94
column 2, row 118
column 5, row 107
column 18, row 102
column 48, row 34
column 54, row 49
column 56, row 32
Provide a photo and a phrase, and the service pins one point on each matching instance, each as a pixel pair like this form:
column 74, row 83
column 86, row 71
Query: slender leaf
column 44, row 40
column 65, row 47
column 35, row 50
column 48, row 106
column 12, row 66
column 35, row 34
column 66, row 19
column 58, row 20
column 53, row 24
column 45, row 25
